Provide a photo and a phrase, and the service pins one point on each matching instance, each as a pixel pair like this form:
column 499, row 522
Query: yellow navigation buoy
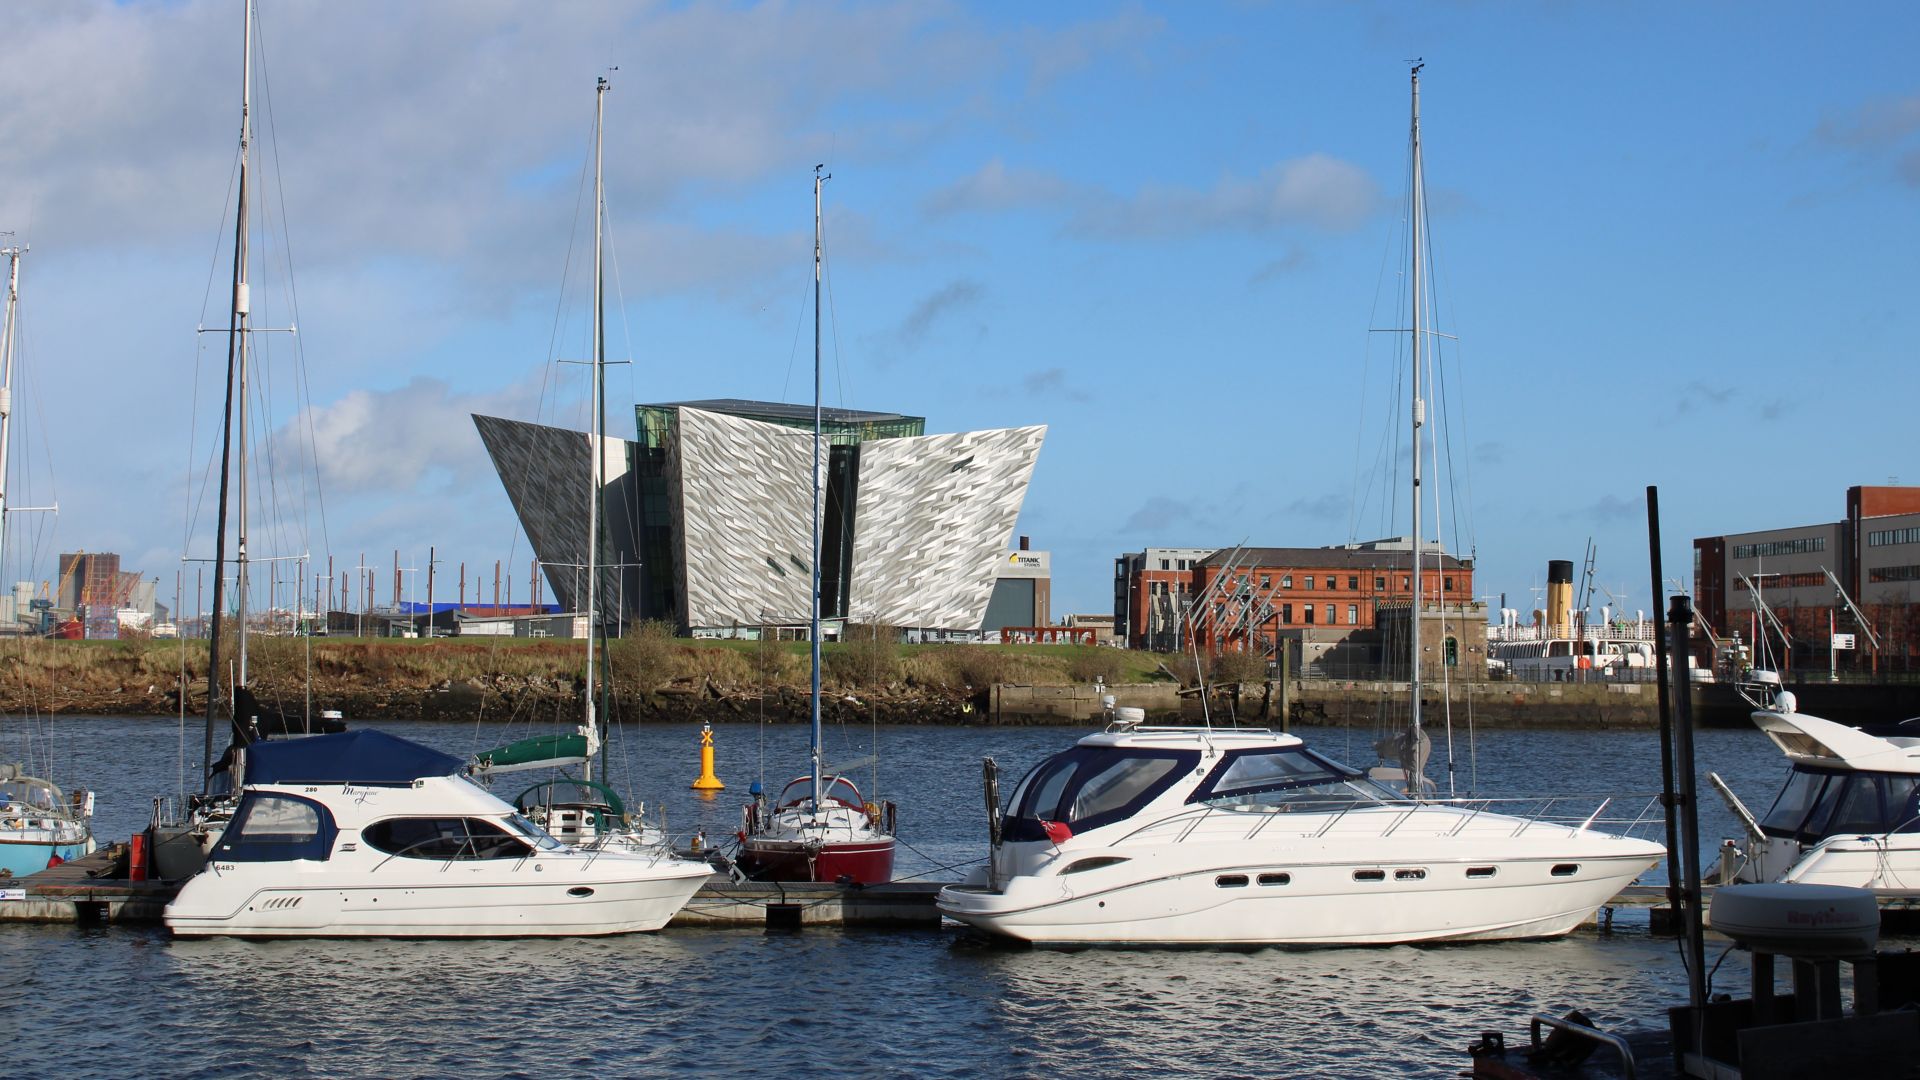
column 707, row 781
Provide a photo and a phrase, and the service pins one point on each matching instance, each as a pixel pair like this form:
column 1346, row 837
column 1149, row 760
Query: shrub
column 1105, row 665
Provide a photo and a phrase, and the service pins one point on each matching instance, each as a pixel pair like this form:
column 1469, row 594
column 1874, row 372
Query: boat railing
column 1576, row 813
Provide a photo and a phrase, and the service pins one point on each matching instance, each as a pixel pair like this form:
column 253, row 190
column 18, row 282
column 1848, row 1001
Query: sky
column 1672, row 246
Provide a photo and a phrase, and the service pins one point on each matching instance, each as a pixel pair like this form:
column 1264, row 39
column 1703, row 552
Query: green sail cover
column 539, row 752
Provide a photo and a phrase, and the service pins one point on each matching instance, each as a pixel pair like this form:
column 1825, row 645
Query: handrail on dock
column 1628, row 1067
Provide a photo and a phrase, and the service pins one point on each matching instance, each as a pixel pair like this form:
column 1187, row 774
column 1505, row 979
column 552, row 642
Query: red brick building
column 1253, row 595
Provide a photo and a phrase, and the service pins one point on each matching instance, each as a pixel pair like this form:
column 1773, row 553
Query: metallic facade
column 743, row 534
column 932, row 521
column 547, row 472
column 915, row 527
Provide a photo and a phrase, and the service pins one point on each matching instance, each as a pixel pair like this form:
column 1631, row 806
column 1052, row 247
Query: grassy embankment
column 654, row 676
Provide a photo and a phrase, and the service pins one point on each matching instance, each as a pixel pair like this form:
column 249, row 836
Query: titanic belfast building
column 706, row 522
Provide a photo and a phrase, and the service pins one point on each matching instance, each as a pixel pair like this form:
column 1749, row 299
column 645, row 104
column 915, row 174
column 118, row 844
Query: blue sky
column 1674, row 242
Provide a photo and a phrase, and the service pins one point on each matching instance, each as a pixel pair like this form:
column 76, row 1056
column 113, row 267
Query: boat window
column 1095, row 863
column 531, row 833
column 1276, row 879
column 1870, row 803
column 1795, row 801
column 1116, row 786
column 1565, row 869
column 444, row 838
column 1369, row 875
column 271, row 827
column 1294, row 779
column 1481, row 871
column 1231, row 881
column 1088, row 786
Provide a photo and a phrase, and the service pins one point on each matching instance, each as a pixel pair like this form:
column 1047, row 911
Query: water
column 124, row 1001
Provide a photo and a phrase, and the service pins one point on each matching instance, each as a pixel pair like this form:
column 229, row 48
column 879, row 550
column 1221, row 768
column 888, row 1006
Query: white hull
column 429, row 905
column 1888, row 864
column 1319, row 904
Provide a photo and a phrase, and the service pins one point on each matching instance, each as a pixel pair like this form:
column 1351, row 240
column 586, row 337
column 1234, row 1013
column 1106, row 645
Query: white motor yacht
column 363, row 834
column 1848, row 815
column 1182, row 835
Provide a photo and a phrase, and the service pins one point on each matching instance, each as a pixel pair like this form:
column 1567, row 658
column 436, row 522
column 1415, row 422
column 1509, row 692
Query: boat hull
column 18, row 858
column 851, row 862
column 1287, row 903
column 207, row 907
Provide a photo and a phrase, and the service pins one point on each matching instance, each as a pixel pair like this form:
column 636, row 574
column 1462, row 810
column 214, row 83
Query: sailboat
column 819, row 828
column 179, row 837
column 40, row 824
column 580, row 810
column 1200, row 836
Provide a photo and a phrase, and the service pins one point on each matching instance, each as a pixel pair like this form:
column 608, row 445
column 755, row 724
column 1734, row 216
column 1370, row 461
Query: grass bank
column 654, row 676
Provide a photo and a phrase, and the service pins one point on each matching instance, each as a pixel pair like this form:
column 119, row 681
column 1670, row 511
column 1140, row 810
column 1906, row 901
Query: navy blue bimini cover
column 350, row 757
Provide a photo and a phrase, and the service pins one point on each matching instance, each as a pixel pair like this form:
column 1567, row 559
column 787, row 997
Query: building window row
column 1801, row 546
column 1886, row 537
column 1894, row 573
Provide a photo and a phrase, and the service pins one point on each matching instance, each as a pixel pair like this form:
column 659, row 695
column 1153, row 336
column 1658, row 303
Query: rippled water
column 119, row 1002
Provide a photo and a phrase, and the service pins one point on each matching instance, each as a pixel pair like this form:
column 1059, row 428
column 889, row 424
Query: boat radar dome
column 1785, row 702
column 1804, row 921
column 1127, row 716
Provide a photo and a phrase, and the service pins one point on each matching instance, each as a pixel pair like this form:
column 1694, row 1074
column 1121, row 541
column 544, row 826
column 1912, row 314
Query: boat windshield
column 532, row 833
column 37, row 794
column 1818, row 803
column 1290, row 779
column 837, row 789
column 1088, row 786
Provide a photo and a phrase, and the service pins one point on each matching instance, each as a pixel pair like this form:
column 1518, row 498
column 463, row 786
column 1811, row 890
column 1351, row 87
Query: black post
column 1679, row 626
column 1660, row 655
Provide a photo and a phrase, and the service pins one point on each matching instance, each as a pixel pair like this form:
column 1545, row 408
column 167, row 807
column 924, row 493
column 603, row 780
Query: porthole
column 1565, row 869
column 1369, row 875
column 1276, row 879
column 1231, row 881
column 581, row 891
column 1481, row 871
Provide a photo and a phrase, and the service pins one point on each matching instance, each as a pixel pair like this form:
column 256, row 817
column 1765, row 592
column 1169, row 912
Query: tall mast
column 7, row 338
column 591, row 728
column 814, row 627
column 236, row 386
column 1419, row 199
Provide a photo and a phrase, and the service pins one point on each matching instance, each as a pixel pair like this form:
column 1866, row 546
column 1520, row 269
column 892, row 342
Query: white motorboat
column 1849, row 813
column 1161, row 835
column 363, row 834
column 1144, row 835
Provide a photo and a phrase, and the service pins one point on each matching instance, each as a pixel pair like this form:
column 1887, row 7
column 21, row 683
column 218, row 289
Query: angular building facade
column 708, row 514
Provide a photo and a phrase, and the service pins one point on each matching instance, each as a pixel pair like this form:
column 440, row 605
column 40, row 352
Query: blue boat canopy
column 350, row 757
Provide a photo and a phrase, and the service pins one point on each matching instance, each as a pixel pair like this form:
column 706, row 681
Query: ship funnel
column 1559, row 596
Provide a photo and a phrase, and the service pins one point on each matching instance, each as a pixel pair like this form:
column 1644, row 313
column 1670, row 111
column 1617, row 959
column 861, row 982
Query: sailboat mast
column 592, row 724
column 1418, row 198
column 242, row 310
column 236, row 378
column 814, row 625
column 7, row 339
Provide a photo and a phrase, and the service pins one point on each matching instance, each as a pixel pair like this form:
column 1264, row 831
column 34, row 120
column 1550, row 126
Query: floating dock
column 94, row 891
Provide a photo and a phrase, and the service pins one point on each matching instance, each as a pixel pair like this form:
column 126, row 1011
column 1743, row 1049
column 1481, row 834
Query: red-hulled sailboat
column 819, row 829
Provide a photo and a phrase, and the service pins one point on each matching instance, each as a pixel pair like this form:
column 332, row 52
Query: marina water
column 124, row 1001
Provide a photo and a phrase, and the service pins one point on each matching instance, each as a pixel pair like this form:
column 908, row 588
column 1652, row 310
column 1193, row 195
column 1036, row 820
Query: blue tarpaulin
column 351, row 757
